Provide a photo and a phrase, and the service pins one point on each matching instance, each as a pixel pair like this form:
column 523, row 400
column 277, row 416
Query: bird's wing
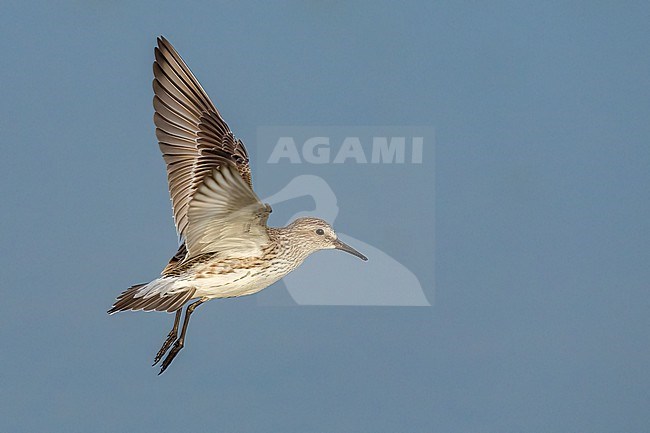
column 193, row 137
column 226, row 217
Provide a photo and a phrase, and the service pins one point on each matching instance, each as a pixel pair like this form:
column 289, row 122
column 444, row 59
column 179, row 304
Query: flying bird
column 226, row 247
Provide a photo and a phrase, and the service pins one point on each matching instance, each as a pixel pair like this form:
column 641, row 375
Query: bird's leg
column 170, row 338
column 178, row 344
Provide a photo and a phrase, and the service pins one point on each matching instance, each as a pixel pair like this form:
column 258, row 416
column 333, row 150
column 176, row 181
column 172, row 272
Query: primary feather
column 193, row 137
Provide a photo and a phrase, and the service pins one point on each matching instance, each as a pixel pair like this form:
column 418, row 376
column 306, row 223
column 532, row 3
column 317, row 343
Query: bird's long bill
column 339, row 245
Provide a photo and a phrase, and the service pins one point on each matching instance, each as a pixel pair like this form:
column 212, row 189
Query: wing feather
column 193, row 137
column 226, row 217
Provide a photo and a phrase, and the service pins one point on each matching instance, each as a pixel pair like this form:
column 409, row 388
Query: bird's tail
column 153, row 296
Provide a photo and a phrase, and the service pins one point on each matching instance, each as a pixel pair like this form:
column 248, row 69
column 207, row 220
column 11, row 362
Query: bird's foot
column 178, row 345
column 165, row 347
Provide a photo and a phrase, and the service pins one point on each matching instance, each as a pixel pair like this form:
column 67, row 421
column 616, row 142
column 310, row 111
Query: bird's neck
column 290, row 244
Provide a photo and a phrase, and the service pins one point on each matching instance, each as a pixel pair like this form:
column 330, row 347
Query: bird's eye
column 320, row 232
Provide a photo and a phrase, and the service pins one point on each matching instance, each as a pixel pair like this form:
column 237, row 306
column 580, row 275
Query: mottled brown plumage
column 227, row 248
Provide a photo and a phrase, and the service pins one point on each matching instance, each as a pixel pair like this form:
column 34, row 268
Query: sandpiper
column 226, row 247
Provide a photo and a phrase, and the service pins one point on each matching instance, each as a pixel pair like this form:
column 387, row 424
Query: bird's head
column 318, row 235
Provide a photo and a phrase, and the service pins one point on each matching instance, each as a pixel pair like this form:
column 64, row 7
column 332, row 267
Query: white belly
column 239, row 283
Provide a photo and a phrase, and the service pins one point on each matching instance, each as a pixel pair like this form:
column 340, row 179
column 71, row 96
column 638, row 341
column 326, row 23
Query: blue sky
column 542, row 119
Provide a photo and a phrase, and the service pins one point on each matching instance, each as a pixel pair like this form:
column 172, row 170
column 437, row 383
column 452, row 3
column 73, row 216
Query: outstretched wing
column 193, row 137
column 226, row 217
